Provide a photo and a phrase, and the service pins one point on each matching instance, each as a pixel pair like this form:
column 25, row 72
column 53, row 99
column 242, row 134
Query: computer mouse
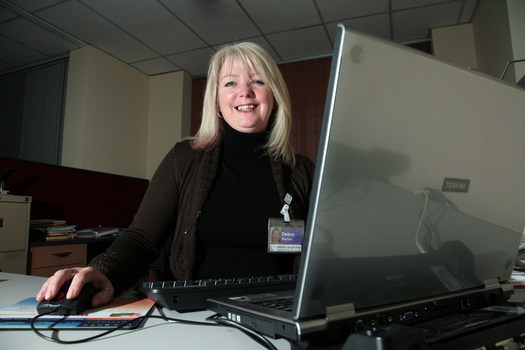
column 62, row 306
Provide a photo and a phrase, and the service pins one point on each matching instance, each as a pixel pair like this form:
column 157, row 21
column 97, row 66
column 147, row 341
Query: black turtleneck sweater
column 233, row 226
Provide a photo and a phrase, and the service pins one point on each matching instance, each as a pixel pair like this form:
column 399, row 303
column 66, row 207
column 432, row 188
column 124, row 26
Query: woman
column 214, row 192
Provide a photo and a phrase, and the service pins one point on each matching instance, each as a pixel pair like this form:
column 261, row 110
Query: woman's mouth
column 246, row 108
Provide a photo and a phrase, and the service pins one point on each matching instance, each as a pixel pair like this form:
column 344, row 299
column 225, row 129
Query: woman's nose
column 246, row 90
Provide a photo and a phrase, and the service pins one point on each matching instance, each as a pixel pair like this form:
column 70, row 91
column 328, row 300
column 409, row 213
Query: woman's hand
column 78, row 276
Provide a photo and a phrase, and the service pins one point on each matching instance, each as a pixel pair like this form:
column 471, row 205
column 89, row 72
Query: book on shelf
column 54, row 229
column 60, row 237
column 44, row 224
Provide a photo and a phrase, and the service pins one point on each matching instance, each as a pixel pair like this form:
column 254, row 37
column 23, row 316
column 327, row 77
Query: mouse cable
column 259, row 338
column 85, row 340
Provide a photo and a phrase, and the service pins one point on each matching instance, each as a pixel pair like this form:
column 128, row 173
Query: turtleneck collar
column 247, row 147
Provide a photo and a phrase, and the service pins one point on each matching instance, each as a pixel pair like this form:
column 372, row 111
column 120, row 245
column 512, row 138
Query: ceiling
column 159, row 36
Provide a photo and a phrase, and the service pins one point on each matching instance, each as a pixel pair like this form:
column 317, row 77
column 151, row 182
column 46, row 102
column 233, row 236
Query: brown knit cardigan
column 172, row 203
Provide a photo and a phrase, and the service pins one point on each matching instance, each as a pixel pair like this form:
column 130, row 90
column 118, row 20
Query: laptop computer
column 417, row 209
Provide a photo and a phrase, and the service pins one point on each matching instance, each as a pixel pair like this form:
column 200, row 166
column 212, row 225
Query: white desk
column 156, row 333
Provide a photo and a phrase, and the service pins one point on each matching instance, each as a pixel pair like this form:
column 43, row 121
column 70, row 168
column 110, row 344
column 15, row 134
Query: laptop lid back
column 417, row 191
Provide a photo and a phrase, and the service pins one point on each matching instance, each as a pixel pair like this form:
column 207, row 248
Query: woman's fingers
column 78, row 276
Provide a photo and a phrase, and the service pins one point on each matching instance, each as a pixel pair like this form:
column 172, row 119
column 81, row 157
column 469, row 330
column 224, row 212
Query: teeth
column 246, row 108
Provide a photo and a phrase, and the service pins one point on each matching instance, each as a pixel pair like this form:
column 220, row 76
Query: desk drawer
column 58, row 256
column 50, row 271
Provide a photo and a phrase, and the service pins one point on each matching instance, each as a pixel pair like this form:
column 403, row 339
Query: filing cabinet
column 15, row 214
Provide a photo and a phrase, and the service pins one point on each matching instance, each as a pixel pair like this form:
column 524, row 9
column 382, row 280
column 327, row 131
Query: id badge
column 285, row 237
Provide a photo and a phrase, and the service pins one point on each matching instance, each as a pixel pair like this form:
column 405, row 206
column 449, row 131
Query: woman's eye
column 230, row 83
column 257, row 82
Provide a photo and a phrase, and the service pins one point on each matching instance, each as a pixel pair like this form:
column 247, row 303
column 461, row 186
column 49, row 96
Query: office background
column 122, row 118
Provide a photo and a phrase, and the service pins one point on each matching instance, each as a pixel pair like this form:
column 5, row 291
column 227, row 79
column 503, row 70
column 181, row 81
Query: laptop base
column 393, row 337
column 508, row 335
column 500, row 326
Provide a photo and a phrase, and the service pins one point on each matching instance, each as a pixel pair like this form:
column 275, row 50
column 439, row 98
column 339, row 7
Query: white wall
column 119, row 120
column 455, row 44
column 169, row 115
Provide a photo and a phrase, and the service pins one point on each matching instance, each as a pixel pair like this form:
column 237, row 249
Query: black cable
column 43, row 336
column 248, row 331
column 214, row 318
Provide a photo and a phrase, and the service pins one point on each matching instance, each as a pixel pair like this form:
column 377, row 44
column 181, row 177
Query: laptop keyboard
column 191, row 295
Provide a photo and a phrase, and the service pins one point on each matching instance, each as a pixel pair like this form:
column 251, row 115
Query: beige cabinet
column 15, row 214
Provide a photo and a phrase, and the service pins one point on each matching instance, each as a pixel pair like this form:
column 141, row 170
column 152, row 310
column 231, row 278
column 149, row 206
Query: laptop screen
column 418, row 189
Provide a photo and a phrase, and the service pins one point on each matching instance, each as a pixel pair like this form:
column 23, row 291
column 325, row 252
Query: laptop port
column 465, row 304
column 381, row 319
column 408, row 316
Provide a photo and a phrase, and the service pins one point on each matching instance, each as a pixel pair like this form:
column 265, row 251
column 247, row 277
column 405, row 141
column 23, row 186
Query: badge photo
column 285, row 237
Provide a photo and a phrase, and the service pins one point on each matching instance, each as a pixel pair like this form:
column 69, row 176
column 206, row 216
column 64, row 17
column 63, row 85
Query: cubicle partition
column 81, row 197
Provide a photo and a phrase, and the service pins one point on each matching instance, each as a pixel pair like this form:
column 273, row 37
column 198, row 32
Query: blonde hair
column 254, row 57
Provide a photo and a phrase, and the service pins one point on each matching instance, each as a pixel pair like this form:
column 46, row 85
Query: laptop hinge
column 506, row 288
column 340, row 312
column 492, row 283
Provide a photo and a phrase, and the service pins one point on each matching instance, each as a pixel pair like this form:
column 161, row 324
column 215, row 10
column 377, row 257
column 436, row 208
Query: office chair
column 521, row 82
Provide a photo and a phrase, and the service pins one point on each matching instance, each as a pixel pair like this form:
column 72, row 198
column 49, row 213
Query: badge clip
column 284, row 211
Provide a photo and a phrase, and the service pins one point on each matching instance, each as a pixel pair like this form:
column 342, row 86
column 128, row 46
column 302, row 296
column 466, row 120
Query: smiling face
column 245, row 101
column 276, row 236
